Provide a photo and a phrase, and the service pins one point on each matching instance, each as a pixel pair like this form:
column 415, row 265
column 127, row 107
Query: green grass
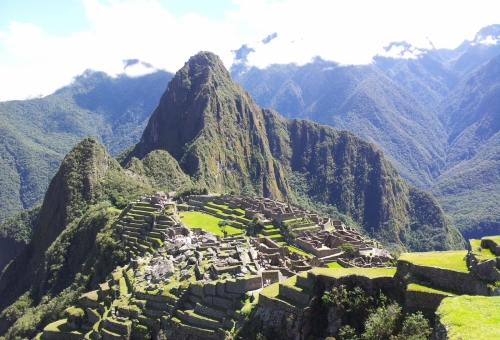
column 484, row 254
column 123, row 287
column 368, row 272
column 420, row 288
column 334, row 265
column 196, row 219
column 471, row 317
column 60, row 326
column 115, row 210
column 495, row 239
column 452, row 260
column 75, row 312
column 292, row 248
column 271, row 291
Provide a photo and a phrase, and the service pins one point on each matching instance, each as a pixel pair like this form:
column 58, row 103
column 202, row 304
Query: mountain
column 361, row 99
column 433, row 115
column 470, row 185
column 72, row 246
column 35, row 134
column 224, row 141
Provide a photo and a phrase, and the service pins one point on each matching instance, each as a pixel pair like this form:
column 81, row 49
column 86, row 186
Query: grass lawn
column 294, row 249
column 420, row 288
column 368, row 272
column 471, row 317
column 334, row 265
column 452, row 260
column 197, row 219
column 271, row 291
column 484, row 254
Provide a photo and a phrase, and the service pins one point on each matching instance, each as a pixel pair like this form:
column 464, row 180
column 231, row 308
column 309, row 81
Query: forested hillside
column 434, row 116
column 35, row 134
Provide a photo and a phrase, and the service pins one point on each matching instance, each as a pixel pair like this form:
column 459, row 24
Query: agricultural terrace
column 470, row 317
column 452, row 260
column 482, row 254
column 197, row 219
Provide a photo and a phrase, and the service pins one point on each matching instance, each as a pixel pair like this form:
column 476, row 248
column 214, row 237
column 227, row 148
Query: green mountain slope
column 361, row 99
column 35, row 134
column 72, row 237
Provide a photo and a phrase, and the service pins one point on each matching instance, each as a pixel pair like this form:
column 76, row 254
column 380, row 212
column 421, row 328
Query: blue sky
column 45, row 43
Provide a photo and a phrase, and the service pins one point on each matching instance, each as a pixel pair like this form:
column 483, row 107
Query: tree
column 381, row 324
column 415, row 327
column 223, row 225
column 348, row 248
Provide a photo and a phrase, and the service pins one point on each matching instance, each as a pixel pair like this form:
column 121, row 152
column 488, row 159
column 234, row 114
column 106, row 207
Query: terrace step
column 198, row 320
column 188, row 328
column 210, row 311
column 270, row 232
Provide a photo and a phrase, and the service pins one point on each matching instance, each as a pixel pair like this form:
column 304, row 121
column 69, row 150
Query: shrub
column 381, row 324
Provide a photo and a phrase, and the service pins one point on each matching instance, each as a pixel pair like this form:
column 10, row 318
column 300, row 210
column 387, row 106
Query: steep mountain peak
column 212, row 127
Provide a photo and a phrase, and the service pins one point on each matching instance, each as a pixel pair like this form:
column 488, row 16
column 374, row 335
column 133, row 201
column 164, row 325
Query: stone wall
column 276, row 304
column 445, row 278
column 117, row 327
column 424, row 300
column 272, row 275
column 490, row 244
column 53, row 335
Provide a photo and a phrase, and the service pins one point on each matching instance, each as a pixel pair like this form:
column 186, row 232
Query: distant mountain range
column 436, row 116
column 35, row 134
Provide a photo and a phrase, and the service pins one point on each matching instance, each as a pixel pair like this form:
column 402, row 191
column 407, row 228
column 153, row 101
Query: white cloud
column 349, row 32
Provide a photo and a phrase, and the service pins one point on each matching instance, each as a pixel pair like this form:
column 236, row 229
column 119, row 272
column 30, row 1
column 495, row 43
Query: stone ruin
column 318, row 236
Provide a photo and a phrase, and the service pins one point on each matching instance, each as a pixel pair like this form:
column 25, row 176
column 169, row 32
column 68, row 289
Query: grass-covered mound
column 453, row 260
column 471, row 317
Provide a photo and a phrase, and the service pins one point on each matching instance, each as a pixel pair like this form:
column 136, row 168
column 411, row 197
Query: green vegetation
column 348, row 248
column 37, row 133
column 197, row 219
column 368, row 272
column 421, row 288
column 15, row 233
column 481, row 253
column 470, row 317
column 334, row 265
column 453, row 260
column 373, row 317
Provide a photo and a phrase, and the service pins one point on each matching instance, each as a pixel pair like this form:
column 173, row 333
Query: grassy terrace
column 495, row 239
column 484, row 254
column 61, row 326
column 452, row 260
column 197, row 219
column 471, row 317
column 294, row 249
column 334, row 265
column 368, row 272
column 271, row 291
column 420, row 288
